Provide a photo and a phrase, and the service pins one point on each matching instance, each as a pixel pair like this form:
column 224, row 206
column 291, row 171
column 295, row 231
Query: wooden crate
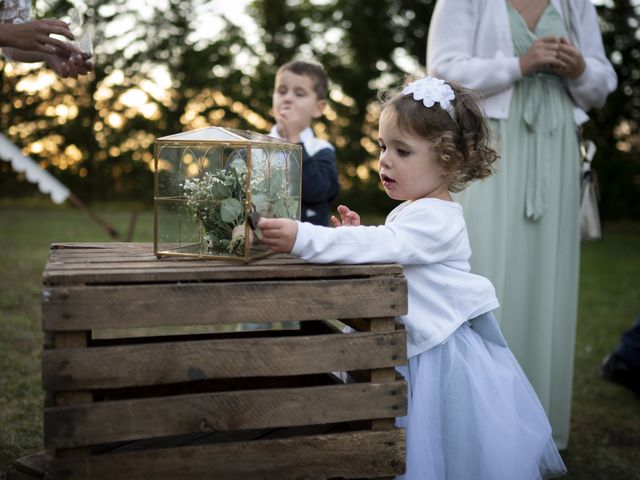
column 146, row 377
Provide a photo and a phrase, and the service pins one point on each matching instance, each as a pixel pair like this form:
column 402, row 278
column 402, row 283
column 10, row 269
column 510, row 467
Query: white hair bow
column 430, row 91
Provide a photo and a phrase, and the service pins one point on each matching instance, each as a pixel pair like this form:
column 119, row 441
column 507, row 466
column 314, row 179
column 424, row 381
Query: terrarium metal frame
column 249, row 249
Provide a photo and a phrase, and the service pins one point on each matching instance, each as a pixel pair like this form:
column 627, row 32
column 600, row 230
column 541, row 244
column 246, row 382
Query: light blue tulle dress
column 472, row 413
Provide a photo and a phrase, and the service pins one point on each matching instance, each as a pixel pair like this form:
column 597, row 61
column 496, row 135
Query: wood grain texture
column 66, row 340
column 249, row 407
column 104, row 422
column 363, row 454
column 384, row 374
column 107, row 263
column 76, row 308
column 174, row 362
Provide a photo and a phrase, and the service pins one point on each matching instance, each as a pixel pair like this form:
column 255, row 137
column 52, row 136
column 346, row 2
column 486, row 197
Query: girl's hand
column 35, row 36
column 279, row 234
column 543, row 54
column 348, row 218
column 571, row 61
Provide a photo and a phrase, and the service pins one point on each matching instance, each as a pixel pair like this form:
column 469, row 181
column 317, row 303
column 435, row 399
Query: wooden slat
column 129, row 273
column 173, row 362
column 66, row 340
column 384, row 374
column 183, row 440
column 347, row 455
column 131, row 263
column 74, row 308
column 104, row 422
column 111, row 259
column 383, row 325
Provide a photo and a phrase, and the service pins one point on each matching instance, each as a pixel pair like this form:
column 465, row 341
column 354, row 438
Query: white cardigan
column 429, row 238
column 470, row 44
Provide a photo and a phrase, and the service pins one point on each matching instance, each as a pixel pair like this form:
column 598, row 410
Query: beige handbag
column 590, row 228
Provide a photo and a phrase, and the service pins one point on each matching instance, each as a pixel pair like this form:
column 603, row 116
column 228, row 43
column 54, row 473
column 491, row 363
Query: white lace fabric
column 15, row 11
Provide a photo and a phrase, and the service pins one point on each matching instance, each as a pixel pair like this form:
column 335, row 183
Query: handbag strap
column 587, row 151
column 566, row 15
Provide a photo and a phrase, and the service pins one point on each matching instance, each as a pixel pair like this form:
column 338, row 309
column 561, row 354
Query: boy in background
column 299, row 96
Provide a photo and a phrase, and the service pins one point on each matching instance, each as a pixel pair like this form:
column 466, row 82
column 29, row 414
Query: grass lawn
column 605, row 438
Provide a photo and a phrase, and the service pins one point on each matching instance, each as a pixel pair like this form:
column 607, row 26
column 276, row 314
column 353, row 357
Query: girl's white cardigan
column 428, row 237
column 470, row 44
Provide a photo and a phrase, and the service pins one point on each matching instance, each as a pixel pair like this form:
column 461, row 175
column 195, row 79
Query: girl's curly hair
column 462, row 145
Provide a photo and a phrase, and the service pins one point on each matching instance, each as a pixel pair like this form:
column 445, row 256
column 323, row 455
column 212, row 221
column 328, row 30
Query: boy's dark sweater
column 319, row 185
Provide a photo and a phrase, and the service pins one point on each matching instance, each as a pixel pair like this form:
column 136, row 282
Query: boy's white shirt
column 429, row 238
column 311, row 144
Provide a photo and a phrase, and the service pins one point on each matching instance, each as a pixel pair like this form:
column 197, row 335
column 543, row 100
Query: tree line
column 166, row 67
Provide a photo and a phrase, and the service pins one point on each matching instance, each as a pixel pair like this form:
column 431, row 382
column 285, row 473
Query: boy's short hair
column 314, row 71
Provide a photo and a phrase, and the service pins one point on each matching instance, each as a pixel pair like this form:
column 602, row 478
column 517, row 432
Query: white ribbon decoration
column 430, row 91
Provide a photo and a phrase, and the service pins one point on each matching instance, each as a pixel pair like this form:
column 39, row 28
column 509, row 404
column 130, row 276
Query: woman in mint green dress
column 539, row 65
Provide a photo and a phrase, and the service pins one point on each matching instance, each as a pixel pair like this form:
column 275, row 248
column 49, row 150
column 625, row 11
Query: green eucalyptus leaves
column 217, row 202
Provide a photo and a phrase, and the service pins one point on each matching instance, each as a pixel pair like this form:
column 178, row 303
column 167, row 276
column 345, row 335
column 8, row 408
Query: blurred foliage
column 164, row 67
column 615, row 128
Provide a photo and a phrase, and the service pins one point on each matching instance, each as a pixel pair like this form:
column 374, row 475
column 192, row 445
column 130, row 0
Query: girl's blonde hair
column 461, row 143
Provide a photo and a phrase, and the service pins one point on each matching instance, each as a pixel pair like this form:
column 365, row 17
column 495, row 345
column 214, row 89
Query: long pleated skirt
column 524, row 229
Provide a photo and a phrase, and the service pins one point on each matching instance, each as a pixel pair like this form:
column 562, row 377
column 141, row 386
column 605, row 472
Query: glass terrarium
column 212, row 184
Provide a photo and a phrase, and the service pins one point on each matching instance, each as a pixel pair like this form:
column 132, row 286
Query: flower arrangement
column 217, row 200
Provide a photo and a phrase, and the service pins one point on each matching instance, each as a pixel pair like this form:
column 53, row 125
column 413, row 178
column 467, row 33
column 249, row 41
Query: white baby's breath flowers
column 218, row 201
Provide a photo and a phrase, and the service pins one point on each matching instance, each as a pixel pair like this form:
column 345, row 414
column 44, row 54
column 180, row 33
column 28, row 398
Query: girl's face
column 408, row 169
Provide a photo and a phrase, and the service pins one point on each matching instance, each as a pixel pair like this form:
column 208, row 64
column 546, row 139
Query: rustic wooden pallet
column 220, row 404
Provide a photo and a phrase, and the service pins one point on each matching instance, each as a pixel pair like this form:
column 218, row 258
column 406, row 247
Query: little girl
column 472, row 413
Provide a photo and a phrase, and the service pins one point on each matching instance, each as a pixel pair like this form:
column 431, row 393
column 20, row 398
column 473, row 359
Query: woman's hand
column 35, row 36
column 348, row 218
column 279, row 234
column 70, row 65
column 571, row 63
column 543, row 54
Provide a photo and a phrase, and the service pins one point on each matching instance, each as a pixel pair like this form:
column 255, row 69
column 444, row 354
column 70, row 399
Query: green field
column 605, row 441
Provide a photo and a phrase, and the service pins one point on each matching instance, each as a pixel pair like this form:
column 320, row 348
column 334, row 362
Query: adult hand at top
column 72, row 64
column 35, row 36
